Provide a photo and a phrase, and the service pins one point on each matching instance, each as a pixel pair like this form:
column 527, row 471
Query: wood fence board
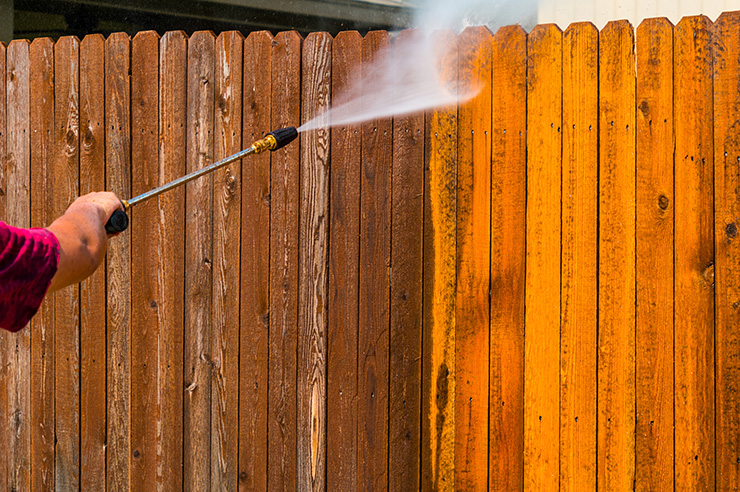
column 542, row 339
column 438, row 339
column 171, row 236
column 144, row 271
column 654, row 315
column 508, row 253
column 199, row 264
column 42, row 325
column 472, row 311
column 407, row 235
column 3, row 216
column 118, row 181
column 284, row 268
column 18, row 212
column 344, row 260
column 255, row 267
column 226, row 253
column 313, row 280
column 375, row 231
column 694, row 256
column 578, row 314
column 616, row 339
column 727, row 213
column 92, row 290
column 66, row 301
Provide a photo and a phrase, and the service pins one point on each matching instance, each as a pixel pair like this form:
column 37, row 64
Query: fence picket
column 694, row 256
column 404, row 435
column 727, row 213
column 170, row 224
column 145, row 298
column 255, row 267
column 616, row 339
column 284, row 267
column 542, row 335
column 654, row 315
column 578, row 315
column 4, row 437
column 344, row 261
column 42, row 326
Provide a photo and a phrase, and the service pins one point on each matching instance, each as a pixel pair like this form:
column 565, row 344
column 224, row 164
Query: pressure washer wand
column 274, row 140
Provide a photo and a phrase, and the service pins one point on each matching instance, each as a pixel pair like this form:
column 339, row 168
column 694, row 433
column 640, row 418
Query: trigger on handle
column 118, row 222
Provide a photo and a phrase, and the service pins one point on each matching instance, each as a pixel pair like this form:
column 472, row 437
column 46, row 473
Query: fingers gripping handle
column 118, row 222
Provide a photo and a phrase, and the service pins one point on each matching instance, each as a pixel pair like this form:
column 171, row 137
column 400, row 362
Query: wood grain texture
column 92, row 290
column 344, row 258
column 508, row 260
column 314, row 255
column 726, row 43
column 694, row 256
column 170, row 224
column 118, row 181
column 438, row 362
column 542, row 340
column 198, row 341
column 375, row 233
column 472, row 311
column 255, row 267
column 654, row 442
column 42, row 325
column 226, row 253
column 616, row 339
column 579, row 289
column 407, row 249
column 284, row 268
column 3, row 216
column 18, row 214
column 145, row 269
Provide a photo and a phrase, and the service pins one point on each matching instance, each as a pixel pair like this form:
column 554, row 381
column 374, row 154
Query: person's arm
column 82, row 238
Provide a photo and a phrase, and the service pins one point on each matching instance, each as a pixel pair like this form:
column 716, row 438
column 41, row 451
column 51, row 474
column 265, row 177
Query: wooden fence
column 535, row 290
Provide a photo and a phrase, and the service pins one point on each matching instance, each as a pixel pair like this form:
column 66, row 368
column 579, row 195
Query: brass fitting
column 267, row 143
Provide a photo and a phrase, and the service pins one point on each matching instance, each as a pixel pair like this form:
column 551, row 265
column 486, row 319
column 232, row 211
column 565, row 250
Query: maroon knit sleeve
column 28, row 260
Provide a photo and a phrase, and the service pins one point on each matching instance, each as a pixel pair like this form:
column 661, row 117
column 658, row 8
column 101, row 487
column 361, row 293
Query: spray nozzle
column 276, row 139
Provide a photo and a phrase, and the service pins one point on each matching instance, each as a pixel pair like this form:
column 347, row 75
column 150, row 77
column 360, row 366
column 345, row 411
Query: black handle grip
column 284, row 136
column 118, row 222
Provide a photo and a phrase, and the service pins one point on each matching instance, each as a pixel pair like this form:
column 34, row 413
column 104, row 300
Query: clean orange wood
column 170, row 225
column 578, row 290
column 117, row 175
column 226, row 251
column 654, row 268
column 375, row 232
column 284, row 268
column 313, row 274
column 694, row 257
column 407, row 234
column 18, row 214
column 726, row 37
column 616, row 356
column 542, row 335
column 42, row 327
column 344, row 258
column 508, row 215
column 255, row 267
column 198, row 375
column 146, row 297
column 92, row 290
column 438, row 350
column 472, row 310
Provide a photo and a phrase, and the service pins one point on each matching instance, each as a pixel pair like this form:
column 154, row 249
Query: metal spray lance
column 274, row 140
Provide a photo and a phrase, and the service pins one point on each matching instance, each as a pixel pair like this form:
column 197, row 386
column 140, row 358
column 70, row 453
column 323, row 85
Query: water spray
column 274, row 140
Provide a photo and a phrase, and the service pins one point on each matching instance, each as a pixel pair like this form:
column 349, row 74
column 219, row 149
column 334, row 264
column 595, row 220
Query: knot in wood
column 731, row 230
column 663, row 202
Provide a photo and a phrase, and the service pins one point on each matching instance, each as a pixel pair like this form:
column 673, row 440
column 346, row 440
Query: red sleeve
column 28, row 260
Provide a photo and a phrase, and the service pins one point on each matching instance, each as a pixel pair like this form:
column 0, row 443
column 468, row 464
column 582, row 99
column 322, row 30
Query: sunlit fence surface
column 536, row 289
